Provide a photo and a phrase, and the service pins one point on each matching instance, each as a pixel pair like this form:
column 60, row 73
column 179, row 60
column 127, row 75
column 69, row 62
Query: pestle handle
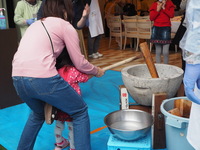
column 148, row 59
column 122, row 62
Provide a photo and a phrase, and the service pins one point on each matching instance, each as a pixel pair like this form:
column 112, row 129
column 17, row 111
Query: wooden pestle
column 148, row 59
column 122, row 62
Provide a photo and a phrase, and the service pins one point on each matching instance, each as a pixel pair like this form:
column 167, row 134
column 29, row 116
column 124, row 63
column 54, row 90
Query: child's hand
column 159, row 6
column 100, row 72
column 163, row 4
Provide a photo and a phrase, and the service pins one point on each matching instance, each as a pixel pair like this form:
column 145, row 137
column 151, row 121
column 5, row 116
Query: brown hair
column 57, row 8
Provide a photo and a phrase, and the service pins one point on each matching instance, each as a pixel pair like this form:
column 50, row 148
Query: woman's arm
column 81, row 23
column 73, row 47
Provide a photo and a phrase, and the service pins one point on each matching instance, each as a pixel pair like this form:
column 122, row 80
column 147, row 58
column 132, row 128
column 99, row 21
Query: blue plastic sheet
column 102, row 96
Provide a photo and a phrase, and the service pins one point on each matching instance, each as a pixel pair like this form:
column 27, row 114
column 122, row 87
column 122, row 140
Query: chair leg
column 121, row 42
column 150, row 46
column 110, row 41
column 137, row 44
column 176, row 48
column 131, row 42
column 125, row 42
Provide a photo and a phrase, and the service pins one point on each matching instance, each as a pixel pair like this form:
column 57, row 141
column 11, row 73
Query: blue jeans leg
column 30, row 132
column 55, row 91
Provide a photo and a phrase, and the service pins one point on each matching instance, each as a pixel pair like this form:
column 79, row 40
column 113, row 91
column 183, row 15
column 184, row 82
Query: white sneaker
column 93, row 56
column 98, row 54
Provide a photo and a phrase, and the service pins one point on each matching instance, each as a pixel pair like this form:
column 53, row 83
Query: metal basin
column 129, row 124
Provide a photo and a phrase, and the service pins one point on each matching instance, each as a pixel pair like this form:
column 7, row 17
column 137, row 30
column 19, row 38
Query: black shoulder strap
column 48, row 36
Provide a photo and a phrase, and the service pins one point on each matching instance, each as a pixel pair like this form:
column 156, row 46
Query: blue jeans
column 57, row 92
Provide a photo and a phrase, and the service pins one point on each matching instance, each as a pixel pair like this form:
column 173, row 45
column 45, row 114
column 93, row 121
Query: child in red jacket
column 160, row 12
column 73, row 76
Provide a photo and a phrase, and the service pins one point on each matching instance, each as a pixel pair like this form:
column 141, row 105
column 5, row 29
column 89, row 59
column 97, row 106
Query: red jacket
column 162, row 18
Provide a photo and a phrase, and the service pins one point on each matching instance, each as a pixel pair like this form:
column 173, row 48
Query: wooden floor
column 114, row 54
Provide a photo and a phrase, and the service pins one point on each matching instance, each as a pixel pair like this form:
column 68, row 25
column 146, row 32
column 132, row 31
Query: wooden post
column 158, row 129
column 82, row 43
column 148, row 59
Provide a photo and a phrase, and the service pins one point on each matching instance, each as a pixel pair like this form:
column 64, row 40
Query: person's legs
column 96, row 43
column 60, row 126
column 166, row 53
column 158, row 53
column 71, row 135
column 36, row 118
column 61, row 142
column 30, row 132
column 90, row 44
column 57, row 92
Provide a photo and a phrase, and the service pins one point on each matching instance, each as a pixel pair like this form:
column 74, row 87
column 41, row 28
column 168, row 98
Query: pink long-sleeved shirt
column 35, row 58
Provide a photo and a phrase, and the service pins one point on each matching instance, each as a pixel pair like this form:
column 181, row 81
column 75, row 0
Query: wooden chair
column 130, row 31
column 114, row 23
column 143, row 17
column 129, row 17
column 144, row 30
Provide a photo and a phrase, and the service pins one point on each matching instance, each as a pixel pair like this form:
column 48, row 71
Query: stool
column 141, row 144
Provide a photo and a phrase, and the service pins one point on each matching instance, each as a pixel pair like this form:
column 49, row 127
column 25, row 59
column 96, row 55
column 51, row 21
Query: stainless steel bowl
column 129, row 124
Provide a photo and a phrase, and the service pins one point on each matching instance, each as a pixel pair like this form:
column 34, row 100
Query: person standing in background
column 81, row 11
column 109, row 8
column 160, row 12
column 119, row 5
column 129, row 9
column 26, row 13
column 181, row 30
column 95, row 30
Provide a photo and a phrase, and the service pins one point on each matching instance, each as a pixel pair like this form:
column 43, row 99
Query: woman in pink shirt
column 36, row 78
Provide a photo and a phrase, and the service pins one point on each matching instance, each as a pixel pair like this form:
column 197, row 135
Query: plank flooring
column 114, row 54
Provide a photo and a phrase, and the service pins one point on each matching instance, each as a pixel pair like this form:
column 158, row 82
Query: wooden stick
column 148, row 59
column 121, row 62
column 158, row 129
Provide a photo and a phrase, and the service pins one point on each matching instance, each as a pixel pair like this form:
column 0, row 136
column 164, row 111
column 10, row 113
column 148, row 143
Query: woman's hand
column 81, row 23
column 86, row 11
column 100, row 72
column 159, row 6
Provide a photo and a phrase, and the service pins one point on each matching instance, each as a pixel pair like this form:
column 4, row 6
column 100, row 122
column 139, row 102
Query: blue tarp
column 102, row 96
